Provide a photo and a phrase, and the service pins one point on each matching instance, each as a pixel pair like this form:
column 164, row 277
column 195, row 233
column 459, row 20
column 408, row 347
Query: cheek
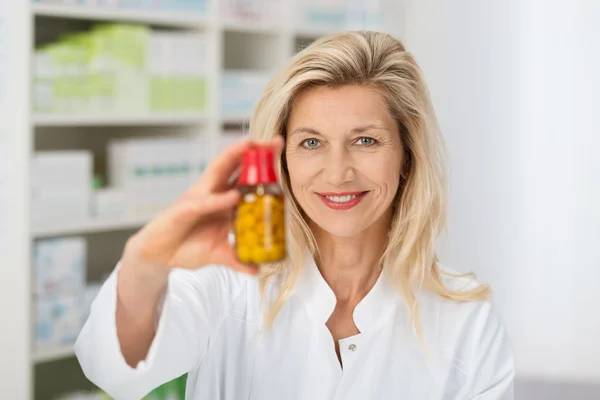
column 299, row 173
column 384, row 174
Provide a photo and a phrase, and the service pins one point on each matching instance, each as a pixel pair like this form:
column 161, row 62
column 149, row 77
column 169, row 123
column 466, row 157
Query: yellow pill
column 244, row 254
column 239, row 225
column 278, row 253
column 259, row 228
column 259, row 255
column 278, row 202
column 246, row 210
column 268, row 258
column 281, row 253
column 258, row 214
column 247, row 221
column 250, row 239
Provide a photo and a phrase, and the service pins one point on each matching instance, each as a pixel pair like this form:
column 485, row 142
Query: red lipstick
column 341, row 201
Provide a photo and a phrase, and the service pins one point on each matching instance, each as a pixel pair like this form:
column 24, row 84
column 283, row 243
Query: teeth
column 341, row 199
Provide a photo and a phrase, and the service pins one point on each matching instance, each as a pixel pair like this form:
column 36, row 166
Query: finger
column 192, row 208
column 220, row 170
column 217, row 202
column 278, row 144
column 177, row 221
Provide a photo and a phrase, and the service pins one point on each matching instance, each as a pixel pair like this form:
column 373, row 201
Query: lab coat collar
column 320, row 301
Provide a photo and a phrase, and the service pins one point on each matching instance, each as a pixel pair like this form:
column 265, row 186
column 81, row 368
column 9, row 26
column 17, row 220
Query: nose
column 338, row 168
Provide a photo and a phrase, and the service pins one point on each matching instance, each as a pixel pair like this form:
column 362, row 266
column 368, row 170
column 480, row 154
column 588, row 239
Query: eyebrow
column 359, row 129
column 366, row 128
column 303, row 129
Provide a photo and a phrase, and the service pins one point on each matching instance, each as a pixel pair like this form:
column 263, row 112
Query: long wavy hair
column 378, row 61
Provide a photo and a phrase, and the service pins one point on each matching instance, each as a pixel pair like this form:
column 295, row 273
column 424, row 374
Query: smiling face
column 344, row 157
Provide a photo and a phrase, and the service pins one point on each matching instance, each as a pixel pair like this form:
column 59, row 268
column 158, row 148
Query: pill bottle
column 259, row 224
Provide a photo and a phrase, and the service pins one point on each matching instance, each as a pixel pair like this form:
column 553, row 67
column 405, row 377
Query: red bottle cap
column 258, row 167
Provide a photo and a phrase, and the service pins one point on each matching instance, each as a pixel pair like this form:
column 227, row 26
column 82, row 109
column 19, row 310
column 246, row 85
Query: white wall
column 562, row 202
column 516, row 90
column 15, row 297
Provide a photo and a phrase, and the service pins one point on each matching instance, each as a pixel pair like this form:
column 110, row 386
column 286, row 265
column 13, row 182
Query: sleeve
column 491, row 362
column 191, row 310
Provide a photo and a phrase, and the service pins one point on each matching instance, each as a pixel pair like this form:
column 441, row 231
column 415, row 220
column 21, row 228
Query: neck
column 351, row 265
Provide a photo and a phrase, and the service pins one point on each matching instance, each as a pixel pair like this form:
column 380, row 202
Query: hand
column 193, row 231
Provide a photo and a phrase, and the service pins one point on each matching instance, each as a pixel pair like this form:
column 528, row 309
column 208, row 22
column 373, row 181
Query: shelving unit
column 262, row 46
column 230, row 119
column 59, row 353
column 115, row 14
column 232, row 25
column 162, row 119
column 90, row 226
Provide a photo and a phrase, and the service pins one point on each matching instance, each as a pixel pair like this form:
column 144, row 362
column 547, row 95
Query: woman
column 361, row 309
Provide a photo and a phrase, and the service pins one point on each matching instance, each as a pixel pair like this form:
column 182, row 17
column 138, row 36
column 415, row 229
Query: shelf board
column 91, row 226
column 173, row 19
column 65, row 120
column 59, row 353
column 248, row 26
column 234, row 119
column 314, row 32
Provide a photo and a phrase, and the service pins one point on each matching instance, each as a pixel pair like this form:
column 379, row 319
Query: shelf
column 236, row 25
column 60, row 120
column 91, row 226
column 150, row 17
column 233, row 119
column 53, row 354
column 314, row 32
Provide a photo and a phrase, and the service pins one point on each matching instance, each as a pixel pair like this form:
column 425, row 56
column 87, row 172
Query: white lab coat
column 210, row 327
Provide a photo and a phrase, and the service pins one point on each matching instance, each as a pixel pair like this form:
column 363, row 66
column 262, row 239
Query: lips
column 342, row 201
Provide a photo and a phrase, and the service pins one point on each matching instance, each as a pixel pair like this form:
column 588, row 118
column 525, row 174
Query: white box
column 56, row 207
column 88, row 296
column 240, row 91
column 108, row 203
column 58, row 321
column 59, row 265
column 57, row 170
column 59, row 318
column 153, row 172
column 62, row 182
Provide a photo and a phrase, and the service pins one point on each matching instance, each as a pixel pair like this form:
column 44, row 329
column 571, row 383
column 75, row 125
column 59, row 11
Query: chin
column 345, row 227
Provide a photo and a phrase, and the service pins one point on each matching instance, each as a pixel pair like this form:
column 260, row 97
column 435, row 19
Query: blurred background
column 110, row 108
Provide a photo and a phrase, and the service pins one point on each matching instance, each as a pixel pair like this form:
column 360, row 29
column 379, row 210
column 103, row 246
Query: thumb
column 222, row 201
column 184, row 214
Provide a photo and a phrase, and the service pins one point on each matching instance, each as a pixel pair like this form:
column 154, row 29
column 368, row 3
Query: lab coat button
column 352, row 347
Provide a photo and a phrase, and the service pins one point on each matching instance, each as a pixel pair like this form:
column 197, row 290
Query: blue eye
column 366, row 141
column 310, row 143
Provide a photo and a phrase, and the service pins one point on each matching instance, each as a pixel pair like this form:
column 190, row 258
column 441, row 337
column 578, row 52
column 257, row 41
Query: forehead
column 346, row 106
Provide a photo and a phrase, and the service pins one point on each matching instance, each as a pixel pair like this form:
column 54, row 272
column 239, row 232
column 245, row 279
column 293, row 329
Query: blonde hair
column 379, row 61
